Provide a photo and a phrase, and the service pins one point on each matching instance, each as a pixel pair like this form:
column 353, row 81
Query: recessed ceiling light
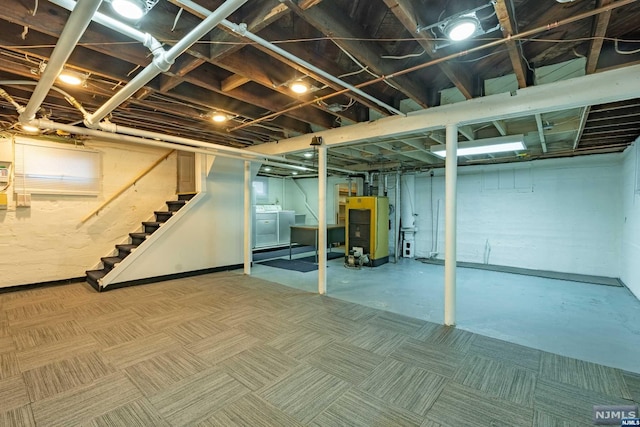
column 219, row 117
column 461, row 28
column 299, row 86
column 130, row 9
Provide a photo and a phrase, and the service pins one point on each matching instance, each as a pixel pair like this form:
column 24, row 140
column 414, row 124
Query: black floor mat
column 330, row 255
column 293, row 264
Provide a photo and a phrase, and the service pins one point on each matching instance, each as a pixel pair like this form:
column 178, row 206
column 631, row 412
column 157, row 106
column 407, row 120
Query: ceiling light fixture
column 133, row 9
column 267, row 169
column 299, row 86
column 29, row 128
column 484, row 146
column 461, row 28
column 308, row 155
column 71, row 77
column 219, row 117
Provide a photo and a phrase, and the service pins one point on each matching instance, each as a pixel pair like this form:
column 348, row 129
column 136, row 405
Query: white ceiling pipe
column 67, row 96
column 163, row 61
column 146, row 39
column 74, row 28
column 242, row 30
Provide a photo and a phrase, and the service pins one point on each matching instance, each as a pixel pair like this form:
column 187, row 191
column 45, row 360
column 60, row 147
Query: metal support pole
column 322, row 219
column 396, row 223
column 247, row 217
column 451, row 178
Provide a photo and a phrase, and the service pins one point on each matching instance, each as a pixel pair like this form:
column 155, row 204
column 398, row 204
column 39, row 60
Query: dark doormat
column 293, row 264
column 330, row 255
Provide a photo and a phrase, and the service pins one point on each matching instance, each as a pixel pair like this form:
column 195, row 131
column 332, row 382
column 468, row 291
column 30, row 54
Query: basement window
column 43, row 167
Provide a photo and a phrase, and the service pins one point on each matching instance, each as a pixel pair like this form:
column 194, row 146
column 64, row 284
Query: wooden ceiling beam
column 330, row 21
column 599, row 30
column 508, row 29
column 403, row 10
column 233, row 82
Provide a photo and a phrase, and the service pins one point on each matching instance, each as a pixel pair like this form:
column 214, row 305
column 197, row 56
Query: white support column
column 451, row 178
column 322, row 219
column 247, row 218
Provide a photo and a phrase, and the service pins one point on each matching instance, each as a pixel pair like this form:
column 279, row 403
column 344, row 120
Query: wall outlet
column 23, row 200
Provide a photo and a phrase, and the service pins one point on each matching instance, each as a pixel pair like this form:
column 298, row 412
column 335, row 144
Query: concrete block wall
column 630, row 219
column 559, row 215
column 47, row 241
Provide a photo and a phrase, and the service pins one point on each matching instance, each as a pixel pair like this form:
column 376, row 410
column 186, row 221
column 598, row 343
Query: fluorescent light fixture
column 299, row 86
column 72, row 77
column 484, row 146
column 461, row 28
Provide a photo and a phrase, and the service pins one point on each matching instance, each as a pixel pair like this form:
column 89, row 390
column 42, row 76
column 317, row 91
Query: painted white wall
column 47, row 241
column 209, row 235
column 559, row 215
column 630, row 268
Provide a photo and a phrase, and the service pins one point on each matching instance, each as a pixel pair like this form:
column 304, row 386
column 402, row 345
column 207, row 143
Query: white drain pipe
column 242, row 30
column 163, row 61
column 146, row 39
column 74, row 28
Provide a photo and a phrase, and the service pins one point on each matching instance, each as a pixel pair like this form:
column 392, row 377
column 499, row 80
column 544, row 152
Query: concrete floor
column 594, row 323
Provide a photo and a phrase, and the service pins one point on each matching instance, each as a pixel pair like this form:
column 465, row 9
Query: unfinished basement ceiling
column 357, row 41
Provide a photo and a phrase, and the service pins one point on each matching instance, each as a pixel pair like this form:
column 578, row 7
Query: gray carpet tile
column 165, row 320
column 32, row 337
column 355, row 312
column 439, row 360
column 250, row 410
column 13, row 393
column 33, row 310
column 50, row 319
column 60, row 350
column 497, row 379
column 633, row 385
column 267, row 327
column 445, row 336
column 155, row 306
column 544, row 419
column 405, row 386
column 458, row 405
column 258, row 366
column 397, row 323
column 196, row 398
column 102, row 320
column 8, row 365
column 429, row 423
column 82, row 404
column 18, row 417
column 359, row 409
column 195, row 330
column 61, row 376
column 332, row 325
column 234, row 314
column 348, row 362
column 216, row 348
column 515, row 354
column 587, row 375
column 300, row 342
column 139, row 413
column 379, row 341
column 121, row 332
column 160, row 372
column 136, row 351
column 305, row 392
column 568, row 401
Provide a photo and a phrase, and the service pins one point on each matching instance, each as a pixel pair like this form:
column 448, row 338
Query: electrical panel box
column 367, row 226
column 5, row 171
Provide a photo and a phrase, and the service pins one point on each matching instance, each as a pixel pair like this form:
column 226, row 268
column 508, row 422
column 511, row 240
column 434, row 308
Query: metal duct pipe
column 163, row 61
column 74, row 28
column 242, row 30
column 146, row 39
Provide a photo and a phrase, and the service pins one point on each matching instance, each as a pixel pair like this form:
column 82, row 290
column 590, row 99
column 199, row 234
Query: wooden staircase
column 136, row 239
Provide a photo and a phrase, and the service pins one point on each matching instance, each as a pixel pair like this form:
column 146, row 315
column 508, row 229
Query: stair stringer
column 156, row 236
